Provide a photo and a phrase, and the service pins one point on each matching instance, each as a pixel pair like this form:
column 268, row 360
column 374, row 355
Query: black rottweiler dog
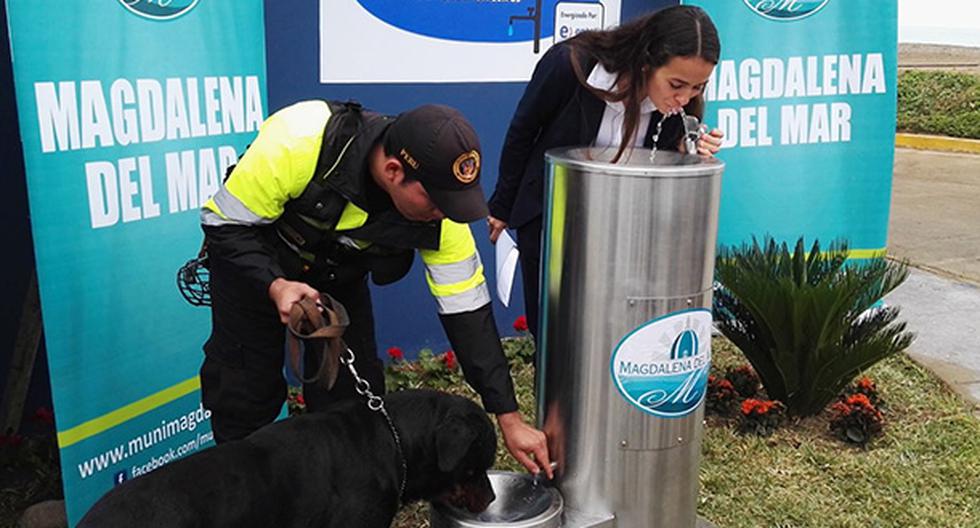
column 331, row 469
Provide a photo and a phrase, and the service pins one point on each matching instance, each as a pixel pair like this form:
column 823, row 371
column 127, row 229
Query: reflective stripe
column 213, row 219
column 446, row 290
column 352, row 217
column 280, row 162
column 231, row 210
column 464, row 302
column 456, row 272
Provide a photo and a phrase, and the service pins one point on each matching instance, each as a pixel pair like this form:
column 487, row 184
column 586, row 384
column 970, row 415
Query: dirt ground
column 938, row 57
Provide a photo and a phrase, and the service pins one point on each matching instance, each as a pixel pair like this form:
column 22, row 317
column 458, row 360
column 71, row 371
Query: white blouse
column 611, row 129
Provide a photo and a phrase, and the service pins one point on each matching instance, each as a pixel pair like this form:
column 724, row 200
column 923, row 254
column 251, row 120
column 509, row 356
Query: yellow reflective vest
column 276, row 172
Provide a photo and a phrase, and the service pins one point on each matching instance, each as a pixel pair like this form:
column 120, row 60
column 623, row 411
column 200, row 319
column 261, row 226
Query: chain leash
column 376, row 404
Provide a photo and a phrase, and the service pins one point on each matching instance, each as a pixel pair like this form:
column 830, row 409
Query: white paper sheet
column 506, row 266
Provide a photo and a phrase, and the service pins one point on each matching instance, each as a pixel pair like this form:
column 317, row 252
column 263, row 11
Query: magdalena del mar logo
column 159, row 9
column 786, row 10
column 661, row 367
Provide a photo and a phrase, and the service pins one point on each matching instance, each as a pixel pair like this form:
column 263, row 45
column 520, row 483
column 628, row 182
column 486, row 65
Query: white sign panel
column 572, row 18
column 421, row 41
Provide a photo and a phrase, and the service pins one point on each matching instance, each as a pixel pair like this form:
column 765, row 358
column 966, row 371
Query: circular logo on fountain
column 662, row 367
column 786, row 10
column 159, row 9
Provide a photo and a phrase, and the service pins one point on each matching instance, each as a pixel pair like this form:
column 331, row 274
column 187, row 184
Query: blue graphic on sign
column 786, row 10
column 159, row 9
column 686, row 345
column 662, row 367
column 668, row 396
column 470, row 20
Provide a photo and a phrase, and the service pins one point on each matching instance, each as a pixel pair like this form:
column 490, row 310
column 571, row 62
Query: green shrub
column 939, row 102
column 803, row 320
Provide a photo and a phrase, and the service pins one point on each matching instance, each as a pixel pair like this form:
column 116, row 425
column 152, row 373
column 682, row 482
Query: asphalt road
column 935, row 225
column 935, row 212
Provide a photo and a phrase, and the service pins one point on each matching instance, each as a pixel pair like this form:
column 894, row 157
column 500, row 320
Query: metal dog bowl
column 521, row 503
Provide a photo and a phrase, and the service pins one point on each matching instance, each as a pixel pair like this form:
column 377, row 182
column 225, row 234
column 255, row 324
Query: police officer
column 327, row 195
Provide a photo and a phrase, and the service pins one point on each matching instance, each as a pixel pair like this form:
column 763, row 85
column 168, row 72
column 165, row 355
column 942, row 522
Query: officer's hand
column 710, row 143
column 284, row 293
column 523, row 441
column 496, row 227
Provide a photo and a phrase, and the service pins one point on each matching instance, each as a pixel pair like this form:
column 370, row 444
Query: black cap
column 437, row 146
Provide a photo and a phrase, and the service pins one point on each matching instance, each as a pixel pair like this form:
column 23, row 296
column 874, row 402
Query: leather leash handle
column 307, row 326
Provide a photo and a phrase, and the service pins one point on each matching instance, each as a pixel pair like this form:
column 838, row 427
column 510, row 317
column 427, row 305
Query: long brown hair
column 634, row 50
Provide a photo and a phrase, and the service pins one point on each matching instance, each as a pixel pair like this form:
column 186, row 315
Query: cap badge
column 467, row 166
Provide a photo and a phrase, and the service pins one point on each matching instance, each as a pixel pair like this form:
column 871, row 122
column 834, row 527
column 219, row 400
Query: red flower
column 867, row 386
column 755, row 407
column 396, row 353
column 856, row 419
column 450, row 359
column 749, row 405
column 860, row 400
column 300, row 400
column 520, row 324
column 44, row 415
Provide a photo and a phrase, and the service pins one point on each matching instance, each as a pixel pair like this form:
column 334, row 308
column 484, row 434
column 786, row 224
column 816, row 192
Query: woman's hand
column 496, row 227
column 710, row 143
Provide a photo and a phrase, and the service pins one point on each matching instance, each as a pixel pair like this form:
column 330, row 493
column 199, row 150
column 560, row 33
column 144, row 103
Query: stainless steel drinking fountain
column 627, row 272
column 626, row 280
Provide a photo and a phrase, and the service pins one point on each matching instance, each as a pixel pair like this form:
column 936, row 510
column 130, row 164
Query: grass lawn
column 924, row 471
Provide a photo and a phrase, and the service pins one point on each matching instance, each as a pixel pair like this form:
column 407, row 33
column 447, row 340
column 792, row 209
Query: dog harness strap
column 307, row 327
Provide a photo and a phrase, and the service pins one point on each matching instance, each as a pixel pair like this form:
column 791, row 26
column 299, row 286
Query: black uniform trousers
column 241, row 378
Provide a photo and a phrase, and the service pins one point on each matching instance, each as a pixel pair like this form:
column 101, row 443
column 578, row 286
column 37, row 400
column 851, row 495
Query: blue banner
column 806, row 94
column 130, row 111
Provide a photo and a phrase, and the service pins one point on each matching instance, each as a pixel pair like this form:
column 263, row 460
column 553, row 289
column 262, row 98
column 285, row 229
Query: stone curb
column 953, row 376
column 940, row 143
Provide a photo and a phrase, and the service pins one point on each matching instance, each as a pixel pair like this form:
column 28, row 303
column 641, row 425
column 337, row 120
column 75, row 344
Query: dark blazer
column 556, row 110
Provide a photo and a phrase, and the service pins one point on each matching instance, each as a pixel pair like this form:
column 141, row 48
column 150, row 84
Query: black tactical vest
column 307, row 225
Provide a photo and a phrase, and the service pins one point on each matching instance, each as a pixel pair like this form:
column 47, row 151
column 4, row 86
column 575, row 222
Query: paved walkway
column 935, row 213
column 935, row 224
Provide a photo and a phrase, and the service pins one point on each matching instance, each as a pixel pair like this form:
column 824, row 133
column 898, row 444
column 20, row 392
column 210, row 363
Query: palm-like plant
column 803, row 320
